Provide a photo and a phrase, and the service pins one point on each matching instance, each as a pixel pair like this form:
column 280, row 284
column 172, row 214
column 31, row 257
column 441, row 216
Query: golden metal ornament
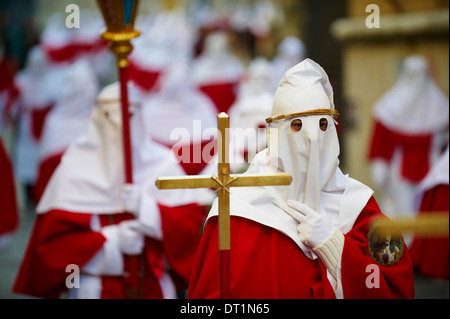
column 119, row 17
column 385, row 250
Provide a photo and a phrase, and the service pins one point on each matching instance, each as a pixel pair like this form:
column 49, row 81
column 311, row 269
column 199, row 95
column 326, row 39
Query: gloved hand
column 131, row 241
column 314, row 228
column 131, row 199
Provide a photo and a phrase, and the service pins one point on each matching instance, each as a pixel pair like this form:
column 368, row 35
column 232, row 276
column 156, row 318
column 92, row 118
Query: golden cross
column 222, row 183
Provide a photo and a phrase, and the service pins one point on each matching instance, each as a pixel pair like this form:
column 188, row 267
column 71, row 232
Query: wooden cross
column 222, row 183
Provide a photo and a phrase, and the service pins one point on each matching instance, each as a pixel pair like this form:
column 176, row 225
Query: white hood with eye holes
column 310, row 156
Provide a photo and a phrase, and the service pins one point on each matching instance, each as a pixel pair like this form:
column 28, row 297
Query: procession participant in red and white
column 430, row 255
column 89, row 221
column 308, row 239
column 148, row 60
column 36, row 97
column 252, row 106
column 409, row 132
column 290, row 52
column 65, row 45
column 217, row 71
column 67, row 120
column 91, row 46
column 182, row 118
column 165, row 38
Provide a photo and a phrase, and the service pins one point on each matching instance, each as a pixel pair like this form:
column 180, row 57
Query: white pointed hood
column 311, row 155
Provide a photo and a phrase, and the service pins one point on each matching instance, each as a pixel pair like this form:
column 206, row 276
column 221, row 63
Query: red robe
column 60, row 238
column 430, row 255
column 9, row 211
column 416, row 150
column 267, row 264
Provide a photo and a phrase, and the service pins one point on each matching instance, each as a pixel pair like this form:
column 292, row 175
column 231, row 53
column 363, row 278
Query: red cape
column 9, row 211
column 430, row 255
column 60, row 238
column 267, row 264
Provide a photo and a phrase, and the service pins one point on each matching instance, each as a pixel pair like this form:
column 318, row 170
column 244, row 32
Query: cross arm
column 172, row 182
column 235, row 180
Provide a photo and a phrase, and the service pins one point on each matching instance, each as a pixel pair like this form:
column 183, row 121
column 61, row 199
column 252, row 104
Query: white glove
column 131, row 199
column 131, row 241
column 314, row 228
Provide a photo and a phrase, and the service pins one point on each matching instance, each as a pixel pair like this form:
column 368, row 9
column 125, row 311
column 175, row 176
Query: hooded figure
column 290, row 52
column 66, row 121
column 217, row 71
column 180, row 116
column 308, row 239
column 89, row 224
column 410, row 129
column 37, row 95
column 252, row 106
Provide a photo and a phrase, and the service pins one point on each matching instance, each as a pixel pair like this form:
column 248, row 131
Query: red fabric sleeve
column 430, row 255
column 264, row 263
column 182, row 226
column 9, row 211
column 58, row 238
column 395, row 281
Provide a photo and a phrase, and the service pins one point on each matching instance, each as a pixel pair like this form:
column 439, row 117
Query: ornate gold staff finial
column 119, row 17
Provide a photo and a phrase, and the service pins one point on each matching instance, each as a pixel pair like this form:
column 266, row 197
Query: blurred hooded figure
column 179, row 117
column 117, row 240
column 430, row 255
column 290, row 52
column 252, row 106
column 67, row 120
column 409, row 134
column 310, row 236
column 36, row 97
column 217, row 71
